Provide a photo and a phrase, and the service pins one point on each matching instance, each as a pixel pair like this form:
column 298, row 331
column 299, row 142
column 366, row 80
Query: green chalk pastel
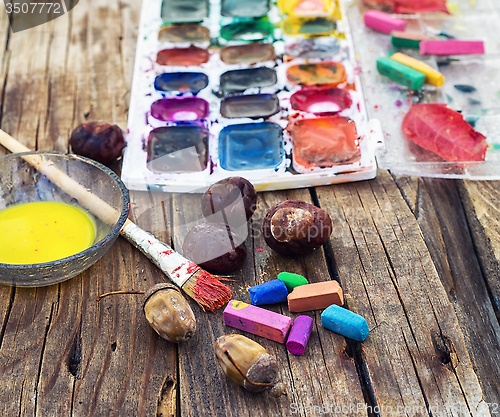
column 292, row 280
column 400, row 73
column 407, row 40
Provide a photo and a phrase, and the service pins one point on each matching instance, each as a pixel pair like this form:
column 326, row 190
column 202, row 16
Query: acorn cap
column 155, row 288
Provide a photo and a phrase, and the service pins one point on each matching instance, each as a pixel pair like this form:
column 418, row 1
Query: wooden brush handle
column 175, row 266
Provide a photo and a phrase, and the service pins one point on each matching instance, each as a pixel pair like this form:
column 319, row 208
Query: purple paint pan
column 321, row 100
column 180, row 109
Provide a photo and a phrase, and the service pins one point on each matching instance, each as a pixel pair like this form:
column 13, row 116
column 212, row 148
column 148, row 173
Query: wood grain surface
column 418, row 258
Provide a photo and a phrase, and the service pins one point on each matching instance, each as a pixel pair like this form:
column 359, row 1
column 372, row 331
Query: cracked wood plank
column 416, row 354
column 325, row 376
column 450, row 232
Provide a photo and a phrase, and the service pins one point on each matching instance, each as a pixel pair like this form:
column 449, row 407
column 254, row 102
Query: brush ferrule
column 174, row 265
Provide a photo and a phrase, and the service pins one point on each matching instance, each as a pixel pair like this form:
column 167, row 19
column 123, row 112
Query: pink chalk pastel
column 383, row 22
column 451, row 47
column 257, row 321
column 299, row 335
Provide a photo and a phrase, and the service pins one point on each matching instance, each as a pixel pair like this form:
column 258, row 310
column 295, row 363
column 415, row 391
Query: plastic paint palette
column 478, row 100
column 248, row 89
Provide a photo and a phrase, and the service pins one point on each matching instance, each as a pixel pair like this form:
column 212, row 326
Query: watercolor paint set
column 470, row 85
column 266, row 91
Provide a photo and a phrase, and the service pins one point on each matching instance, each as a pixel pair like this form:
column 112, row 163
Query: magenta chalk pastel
column 257, row 321
column 383, row 22
column 451, row 47
column 299, row 335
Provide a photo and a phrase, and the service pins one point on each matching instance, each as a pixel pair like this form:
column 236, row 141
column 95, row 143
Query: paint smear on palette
column 321, row 100
column 253, row 106
column 239, row 8
column 313, row 26
column 323, row 142
column 323, row 73
column 237, row 81
column 251, row 146
column 180, row 148
column 251, row 53
column 248, row 31
column 183, row 11
column 184, row 33
column 320, row 47
column 180, row 109
column 183, row 57
column 182, row 82
column 306, row 7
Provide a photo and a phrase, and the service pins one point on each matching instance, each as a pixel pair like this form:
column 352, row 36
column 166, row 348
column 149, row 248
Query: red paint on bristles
column 207, row 290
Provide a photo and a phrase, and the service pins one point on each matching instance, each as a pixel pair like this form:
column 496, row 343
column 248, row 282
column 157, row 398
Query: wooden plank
column 325, row 376
column 481, row 200
column 449, row 233
column 416, row 353
column 62, row 352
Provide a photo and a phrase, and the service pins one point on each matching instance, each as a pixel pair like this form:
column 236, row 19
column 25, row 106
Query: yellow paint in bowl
column 43, row 231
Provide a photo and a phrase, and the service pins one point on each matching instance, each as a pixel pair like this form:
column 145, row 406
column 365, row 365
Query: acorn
column 247, row 363
column 168, row 313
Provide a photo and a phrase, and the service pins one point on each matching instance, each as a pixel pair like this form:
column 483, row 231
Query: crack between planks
column 452, row 366
column 367, row 388
column 494, row 302
column 405, row 197
column 417, row 375
column 7, row 314
column 40, row 364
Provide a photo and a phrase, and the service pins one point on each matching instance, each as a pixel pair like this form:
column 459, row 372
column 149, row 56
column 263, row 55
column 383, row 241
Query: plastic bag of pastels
column 266, row 91
column 432, row 77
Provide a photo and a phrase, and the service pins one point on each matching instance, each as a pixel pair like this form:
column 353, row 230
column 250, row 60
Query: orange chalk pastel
column 315, row 296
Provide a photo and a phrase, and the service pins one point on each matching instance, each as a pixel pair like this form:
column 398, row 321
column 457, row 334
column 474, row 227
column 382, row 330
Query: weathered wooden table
column 418, row 258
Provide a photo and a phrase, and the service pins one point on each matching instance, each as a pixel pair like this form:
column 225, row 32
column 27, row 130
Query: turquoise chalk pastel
column 349, row 324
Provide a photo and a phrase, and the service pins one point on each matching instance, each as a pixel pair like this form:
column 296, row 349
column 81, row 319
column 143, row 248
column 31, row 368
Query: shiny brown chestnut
column 100, row 141
column 294, row 227
column 246, row 363
column 225, row 195
column 215, row 247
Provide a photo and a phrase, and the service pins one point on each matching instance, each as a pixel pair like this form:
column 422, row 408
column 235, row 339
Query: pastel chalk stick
column 432, row 76
column 315, row 296
column 383, row 22
column 270, row 292
column 407, row 40
column 257, row 321
column 345, row 322
column 451, row 47
column 400, row 73
column 299, row 335
column 292, row 280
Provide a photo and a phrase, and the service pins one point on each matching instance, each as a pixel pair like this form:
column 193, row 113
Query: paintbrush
column 197, row 283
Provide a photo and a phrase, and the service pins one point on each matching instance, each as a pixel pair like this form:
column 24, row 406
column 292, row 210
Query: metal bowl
column 57, row 178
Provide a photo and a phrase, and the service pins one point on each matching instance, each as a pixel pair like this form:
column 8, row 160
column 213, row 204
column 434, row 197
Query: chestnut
column 225, row 194
column 246, row 363
column 294, row 227
column 215, row 247
column 100, row 141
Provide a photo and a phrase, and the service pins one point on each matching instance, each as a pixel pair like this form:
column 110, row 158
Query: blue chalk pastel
column 345, row 322
column 270, row 292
